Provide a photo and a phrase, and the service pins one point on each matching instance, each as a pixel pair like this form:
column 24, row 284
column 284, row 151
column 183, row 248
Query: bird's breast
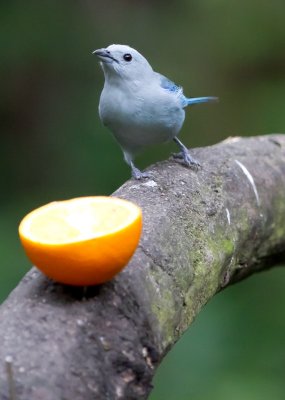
column 140, row 118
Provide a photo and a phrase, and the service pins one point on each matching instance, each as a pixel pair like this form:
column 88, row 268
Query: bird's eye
column 127, row 57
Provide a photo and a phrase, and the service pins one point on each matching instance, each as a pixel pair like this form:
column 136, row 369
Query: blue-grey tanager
column 140, row 106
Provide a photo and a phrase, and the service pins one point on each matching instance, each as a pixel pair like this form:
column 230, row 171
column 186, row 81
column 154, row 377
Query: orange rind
column 82, row 241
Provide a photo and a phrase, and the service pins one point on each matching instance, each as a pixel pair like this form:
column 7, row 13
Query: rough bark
column 202, row 231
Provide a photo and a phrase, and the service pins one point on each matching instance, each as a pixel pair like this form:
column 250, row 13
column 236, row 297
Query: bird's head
column 122, row 61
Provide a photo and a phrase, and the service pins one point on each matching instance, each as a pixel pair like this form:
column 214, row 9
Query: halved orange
column 82, row 241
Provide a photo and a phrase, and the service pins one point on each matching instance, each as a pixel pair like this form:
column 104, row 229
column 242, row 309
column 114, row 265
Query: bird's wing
column 167, row 84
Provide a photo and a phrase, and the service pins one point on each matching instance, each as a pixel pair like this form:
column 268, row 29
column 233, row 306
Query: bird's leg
column 188, row 160
column 136, row 173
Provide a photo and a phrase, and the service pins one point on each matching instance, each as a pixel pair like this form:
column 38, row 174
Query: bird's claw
column 187, row 159
column 137, row 174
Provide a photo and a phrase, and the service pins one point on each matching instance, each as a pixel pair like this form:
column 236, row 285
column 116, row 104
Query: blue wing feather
column 167, row 84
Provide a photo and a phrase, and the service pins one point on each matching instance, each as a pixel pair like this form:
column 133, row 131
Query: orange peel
column 82, row 241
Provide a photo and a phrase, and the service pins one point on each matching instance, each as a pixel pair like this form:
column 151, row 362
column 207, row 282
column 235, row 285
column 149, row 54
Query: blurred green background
column 53, row 146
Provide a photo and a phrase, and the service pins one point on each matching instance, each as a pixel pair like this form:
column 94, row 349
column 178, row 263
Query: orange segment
column 83, row 241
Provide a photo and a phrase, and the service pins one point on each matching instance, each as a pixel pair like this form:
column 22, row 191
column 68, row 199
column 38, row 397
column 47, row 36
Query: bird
column 141, row 107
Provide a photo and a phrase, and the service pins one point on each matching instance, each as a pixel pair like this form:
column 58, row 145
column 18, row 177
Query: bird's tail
column 197, row 100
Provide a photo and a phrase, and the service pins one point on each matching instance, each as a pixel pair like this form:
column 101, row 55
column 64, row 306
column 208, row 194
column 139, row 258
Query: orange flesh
column 82, row 241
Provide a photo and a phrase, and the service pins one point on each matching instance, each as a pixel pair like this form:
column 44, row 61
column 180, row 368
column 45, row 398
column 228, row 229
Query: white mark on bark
column 119, row 392
column 151, row 183
column 251, row 180
column 10, row 377
column 147, row 357
column 228, row 216
column 232, row 139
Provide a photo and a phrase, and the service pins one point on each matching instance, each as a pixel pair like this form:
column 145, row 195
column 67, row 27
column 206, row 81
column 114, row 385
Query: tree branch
column 202, row 231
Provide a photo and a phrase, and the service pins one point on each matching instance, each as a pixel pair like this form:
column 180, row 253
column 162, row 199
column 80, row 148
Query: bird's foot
column 187, row 160
column 138, row 174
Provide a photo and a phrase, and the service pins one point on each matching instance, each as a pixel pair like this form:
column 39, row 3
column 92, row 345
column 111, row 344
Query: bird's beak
column 100, row 52
column 104, row 55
